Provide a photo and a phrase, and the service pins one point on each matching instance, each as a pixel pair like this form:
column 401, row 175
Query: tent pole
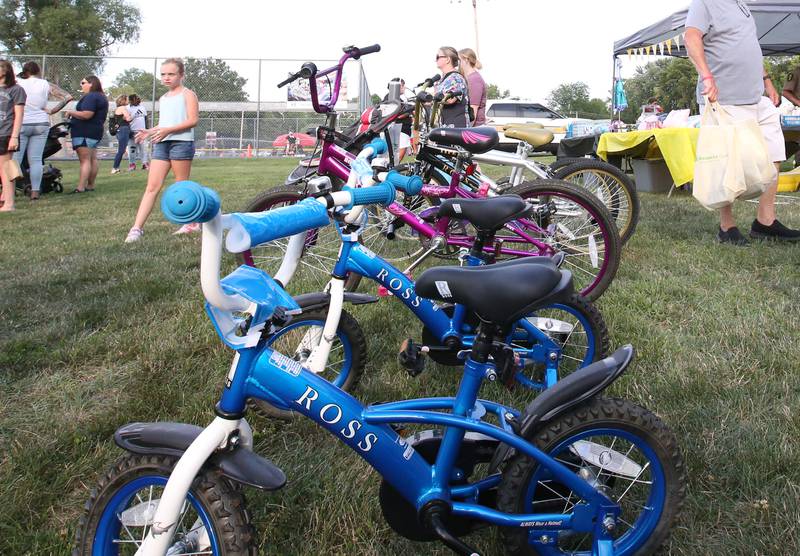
column 613, row 83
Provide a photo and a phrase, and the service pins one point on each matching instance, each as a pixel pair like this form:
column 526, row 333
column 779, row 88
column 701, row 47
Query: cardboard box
column 651, row 176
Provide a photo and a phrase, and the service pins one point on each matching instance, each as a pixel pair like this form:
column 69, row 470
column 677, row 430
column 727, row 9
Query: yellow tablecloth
column 677, row 146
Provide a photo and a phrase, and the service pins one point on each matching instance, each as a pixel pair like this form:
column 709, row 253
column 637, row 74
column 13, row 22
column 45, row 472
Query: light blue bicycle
column 573, row 473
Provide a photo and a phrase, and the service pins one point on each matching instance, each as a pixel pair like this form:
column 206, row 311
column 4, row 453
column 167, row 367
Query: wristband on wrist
column 767, row 78
column 707, row 77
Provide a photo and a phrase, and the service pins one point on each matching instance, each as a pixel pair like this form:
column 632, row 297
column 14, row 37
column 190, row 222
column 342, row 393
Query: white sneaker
column 135, row 234
column 187, row 229
column 115, row 171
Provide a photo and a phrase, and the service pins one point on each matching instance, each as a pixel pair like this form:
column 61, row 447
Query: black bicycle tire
column 222, row 500
column 595, row 413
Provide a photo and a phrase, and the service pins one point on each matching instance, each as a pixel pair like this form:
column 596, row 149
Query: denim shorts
column 84, row 142
column 173, row 150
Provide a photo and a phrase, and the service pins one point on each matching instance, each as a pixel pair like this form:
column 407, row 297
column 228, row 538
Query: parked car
column 502, row 112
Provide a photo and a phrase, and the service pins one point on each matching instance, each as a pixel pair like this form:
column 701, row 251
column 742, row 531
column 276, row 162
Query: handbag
column 113, row 124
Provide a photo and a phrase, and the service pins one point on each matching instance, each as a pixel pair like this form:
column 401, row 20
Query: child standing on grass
column 173, row 142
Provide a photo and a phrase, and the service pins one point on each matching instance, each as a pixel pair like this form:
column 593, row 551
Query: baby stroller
column 51, row 178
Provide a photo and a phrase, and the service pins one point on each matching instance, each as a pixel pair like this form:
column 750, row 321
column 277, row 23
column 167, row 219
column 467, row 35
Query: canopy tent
column 778, row 25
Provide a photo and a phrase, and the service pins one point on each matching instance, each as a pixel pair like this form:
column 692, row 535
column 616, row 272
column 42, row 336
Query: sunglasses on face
column 84, row 82
column 441, row 56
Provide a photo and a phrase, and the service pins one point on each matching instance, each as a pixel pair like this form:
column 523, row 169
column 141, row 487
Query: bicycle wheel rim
column 610, row 192
column 342, row 354
column 578, row 346
column 637, row 531
column 587, row 281
column 109, row 526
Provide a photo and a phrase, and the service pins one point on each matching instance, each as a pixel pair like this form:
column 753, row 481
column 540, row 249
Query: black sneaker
column 775, row 232
column 732, row 236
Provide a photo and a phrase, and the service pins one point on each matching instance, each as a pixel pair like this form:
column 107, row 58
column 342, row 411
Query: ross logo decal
column 332, row 414
column 472, row 137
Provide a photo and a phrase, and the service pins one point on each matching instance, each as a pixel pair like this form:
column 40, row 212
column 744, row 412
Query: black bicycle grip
column 430, row 81
column 367, row 50
column 288, row 80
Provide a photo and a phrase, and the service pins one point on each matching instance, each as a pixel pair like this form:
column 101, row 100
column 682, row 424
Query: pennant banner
column 669, row 46
column 678, row 42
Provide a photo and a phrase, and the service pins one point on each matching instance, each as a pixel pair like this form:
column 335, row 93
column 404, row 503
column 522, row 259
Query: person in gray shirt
column 722, row 42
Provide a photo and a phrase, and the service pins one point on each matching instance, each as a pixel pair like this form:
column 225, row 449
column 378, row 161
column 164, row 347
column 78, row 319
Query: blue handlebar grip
column 381, row 194
column 186, row 201
column 378, row 146
column 411, row 185
column 249, row 230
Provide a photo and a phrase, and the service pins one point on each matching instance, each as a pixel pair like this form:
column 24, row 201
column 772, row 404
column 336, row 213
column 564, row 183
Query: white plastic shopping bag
column 718, row 175
column 732, row 159
column 758, row 169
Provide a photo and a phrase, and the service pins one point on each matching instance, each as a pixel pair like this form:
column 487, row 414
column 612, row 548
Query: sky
column 528, row 47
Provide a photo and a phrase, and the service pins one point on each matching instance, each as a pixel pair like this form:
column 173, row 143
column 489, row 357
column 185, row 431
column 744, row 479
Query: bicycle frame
column 260, row 372
column 518, row 162
column 354, row 257
column 334, row 161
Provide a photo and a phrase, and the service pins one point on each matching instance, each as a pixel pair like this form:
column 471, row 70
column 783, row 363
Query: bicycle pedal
column 411, row 357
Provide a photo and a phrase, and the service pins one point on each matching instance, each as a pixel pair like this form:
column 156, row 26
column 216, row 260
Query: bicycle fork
column 322, row 342
column 165, row 520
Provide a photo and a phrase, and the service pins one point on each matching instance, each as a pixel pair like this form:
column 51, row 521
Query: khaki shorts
column 768, row 118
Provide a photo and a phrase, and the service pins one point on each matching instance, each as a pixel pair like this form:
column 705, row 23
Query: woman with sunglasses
column 86, row 128
column 454, row 110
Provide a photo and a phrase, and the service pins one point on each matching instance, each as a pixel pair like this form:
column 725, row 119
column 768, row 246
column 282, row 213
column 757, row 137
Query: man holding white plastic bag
column 722, row 42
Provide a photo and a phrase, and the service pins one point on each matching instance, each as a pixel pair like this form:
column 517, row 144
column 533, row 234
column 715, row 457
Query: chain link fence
column 242, row 112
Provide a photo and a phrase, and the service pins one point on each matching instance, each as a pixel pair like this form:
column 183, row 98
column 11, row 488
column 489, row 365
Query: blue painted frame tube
column 571, row 480
column 233, row 396
column 366, row 263
column 512, row 520
column 340, row 269
column 276, row 376
column 366, row 430
column 466, row 397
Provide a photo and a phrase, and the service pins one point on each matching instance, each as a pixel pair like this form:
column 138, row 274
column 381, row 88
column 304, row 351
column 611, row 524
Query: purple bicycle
column 565, row 219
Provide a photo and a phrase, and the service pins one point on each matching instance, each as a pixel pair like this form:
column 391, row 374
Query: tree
column 673, row 82
column 493, row 91
column 214, row 80
column 670, row 81
column 573, row 98
column 780, row 67
column 135, row 80
column 67, row 27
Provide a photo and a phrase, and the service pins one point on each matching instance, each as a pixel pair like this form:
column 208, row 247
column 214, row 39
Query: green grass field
column 96, row 333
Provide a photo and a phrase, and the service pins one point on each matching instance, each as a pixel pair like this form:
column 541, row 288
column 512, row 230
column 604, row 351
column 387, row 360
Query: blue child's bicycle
column 562, row 333
column 574, row 472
